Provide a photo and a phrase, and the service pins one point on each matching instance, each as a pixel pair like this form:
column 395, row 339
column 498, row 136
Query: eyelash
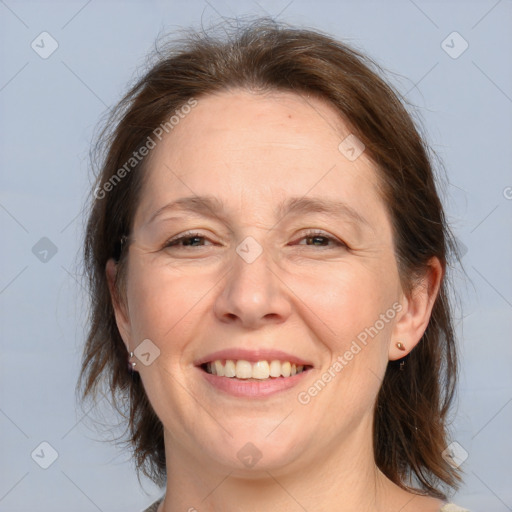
column 309, row 234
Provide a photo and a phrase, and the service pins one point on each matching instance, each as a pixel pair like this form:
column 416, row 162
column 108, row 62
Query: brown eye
column 320, row 239
column 187, row 240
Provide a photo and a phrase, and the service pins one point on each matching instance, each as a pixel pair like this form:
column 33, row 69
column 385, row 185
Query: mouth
column 255, row 379
column 252, row 374
column 262, row 370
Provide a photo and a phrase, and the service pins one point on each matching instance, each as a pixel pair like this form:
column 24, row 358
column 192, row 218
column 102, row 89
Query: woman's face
column 289, row 261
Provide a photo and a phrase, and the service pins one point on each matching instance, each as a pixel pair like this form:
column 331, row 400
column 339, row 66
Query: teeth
column 260, row 370
column 243, row 369
column 219, row 369
column 275, row 369
column 229, row 368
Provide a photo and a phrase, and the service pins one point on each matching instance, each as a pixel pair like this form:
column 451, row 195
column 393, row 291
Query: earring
column 131, row 365
column 400, row 346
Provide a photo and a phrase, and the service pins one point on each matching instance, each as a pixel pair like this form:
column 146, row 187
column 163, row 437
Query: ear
column 119, row 305
column 416, row 310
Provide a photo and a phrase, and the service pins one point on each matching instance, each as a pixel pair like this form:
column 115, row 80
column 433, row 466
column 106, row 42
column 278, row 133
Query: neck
column 342, row 478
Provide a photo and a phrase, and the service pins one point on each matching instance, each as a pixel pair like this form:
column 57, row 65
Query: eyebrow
column 211, row 206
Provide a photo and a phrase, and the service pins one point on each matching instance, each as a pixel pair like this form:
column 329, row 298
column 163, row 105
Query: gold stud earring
column 400, row 346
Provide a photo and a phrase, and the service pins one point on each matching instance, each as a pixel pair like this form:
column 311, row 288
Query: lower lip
column 251, row 388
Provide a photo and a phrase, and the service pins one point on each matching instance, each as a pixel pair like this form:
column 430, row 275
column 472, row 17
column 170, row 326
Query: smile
column 259, row 370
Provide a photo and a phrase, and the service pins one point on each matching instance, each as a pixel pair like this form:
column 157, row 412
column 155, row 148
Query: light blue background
column 48, row 112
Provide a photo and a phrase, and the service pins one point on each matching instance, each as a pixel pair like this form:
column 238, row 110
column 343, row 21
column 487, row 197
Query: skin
column 309, row 297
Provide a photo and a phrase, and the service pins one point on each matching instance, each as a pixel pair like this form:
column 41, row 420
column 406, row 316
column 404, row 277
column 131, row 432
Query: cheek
column 345, row 299
column 163, row 303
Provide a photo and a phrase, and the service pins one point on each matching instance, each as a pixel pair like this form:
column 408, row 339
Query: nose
column 253, row 295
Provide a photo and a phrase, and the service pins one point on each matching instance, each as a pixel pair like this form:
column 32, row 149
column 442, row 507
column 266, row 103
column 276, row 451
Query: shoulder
column 430, row 504
column 451, row 507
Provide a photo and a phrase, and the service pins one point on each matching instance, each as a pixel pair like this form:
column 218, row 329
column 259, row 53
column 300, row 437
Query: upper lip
column 252, row 356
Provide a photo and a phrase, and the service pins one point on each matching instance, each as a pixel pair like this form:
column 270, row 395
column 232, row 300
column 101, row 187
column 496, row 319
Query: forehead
column 255, row 150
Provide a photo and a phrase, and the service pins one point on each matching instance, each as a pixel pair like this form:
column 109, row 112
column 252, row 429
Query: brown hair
column 410, row 422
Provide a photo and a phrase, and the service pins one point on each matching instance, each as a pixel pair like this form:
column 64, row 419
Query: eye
column 189, row 239
column 321, row 239
column 312, row 238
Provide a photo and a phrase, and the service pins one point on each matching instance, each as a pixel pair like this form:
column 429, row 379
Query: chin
column 251, row 451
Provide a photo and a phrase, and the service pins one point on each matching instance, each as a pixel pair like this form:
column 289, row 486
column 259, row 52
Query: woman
column 267, row 249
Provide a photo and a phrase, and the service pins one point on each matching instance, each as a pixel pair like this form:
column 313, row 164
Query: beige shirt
column 449, row 507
